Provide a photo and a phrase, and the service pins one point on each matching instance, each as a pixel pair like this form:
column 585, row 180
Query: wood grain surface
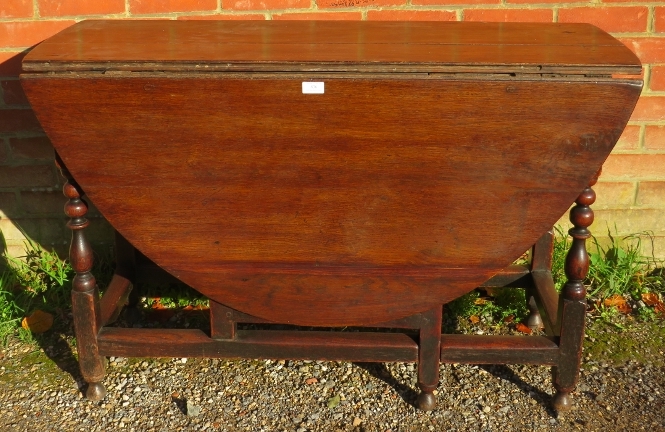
column 379, row 199
column 339, row 46
column 273, row 344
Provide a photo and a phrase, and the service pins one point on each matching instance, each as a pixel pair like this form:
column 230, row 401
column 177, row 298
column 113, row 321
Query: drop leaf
column 474, row 319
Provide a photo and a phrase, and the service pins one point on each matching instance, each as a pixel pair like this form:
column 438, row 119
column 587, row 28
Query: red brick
column 648, row 49
column 165, row 6
column 649, row 108
column 639, row 76
column 614, row 194
column 412, row 15
column 27, row 176
column 629, row 139
column 543, row 1
column 12, row 93
column 357, row 3
column 651, row 194
column 223, row 17
column 264, row 4
column 657, row 79
column 29, row 33
column 49, row 8
column 628, row 221
column 8, row 206
column 508, row 15
column 654, row 137
column 658, row 248
column 14, row 235
column 44, row 230
column 659, row 18
column 4, row 153
column 635, row 166
column 19, row 120
column 454, row 2
column 10, row 63
column 41, row 203
column 610, row 19
column 16, row 9
column 324, row 16
column 36, row 148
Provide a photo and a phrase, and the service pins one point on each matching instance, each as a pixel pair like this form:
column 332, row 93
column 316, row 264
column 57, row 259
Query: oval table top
column 381, row 197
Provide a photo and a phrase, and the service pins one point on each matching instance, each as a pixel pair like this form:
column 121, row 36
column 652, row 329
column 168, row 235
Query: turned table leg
column 572, row 308
column 429, row 355
column 85, row 295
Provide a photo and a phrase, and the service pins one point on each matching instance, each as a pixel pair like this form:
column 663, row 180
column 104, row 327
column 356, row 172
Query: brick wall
column 631, row 191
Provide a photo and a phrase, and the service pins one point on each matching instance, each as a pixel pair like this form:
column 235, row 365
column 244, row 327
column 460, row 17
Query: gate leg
column 429, row 355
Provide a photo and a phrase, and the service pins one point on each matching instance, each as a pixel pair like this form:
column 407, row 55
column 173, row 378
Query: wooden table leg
column 85, row 295
column 541, row 259
column 429, row 355
column 572, row 309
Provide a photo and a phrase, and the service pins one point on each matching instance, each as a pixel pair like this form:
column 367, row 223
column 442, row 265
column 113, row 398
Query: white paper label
column 312, row 87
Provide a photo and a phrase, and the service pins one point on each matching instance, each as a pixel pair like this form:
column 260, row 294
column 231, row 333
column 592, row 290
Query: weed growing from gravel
column 620, row 268
column 621, row 278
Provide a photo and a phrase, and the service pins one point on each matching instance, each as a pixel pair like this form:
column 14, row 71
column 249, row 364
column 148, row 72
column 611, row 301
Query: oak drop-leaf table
column 333, row 174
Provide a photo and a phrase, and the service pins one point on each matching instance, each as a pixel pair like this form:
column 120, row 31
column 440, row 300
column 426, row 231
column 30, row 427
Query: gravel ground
column 40, row 389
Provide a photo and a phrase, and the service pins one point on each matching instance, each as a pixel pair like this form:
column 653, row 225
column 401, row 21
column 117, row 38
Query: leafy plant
column 171, row 296
column 38, row 280
column 40, row 271
column 495, row 307
column 562, row 242
column 618, row 270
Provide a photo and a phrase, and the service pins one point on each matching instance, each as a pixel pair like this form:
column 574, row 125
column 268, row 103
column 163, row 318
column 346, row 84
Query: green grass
column 616, row 268
column 38, row 280
column 620, row 269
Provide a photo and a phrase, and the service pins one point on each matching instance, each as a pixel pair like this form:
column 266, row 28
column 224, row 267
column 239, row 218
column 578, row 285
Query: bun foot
column 562, row 401
column 426, row 401
column 95, row 391
column 535, row 322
